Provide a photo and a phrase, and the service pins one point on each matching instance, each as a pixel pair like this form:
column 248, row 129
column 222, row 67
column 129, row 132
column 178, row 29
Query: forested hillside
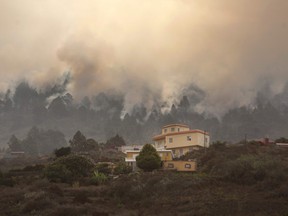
column 103, row 115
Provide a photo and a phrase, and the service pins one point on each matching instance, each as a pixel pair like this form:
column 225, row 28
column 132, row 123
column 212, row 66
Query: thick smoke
column 149, row 50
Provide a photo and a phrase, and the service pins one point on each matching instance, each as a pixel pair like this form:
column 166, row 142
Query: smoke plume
column 148, row 50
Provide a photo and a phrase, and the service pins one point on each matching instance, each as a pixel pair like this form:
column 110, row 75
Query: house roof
column 162, row 136
column 171, row 125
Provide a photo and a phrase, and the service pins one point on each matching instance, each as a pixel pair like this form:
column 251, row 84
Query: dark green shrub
column 218, row 145
column 122, row 168
column 69, row 168
column 249, row 169
column 58, row 173
column 64, row 151
column 148, row 159
column 114, row 142
column 103, row 168
column 79, row 166
column 240, row 171
column 98, row 178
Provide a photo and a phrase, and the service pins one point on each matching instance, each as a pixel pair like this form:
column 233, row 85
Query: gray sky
column 148, row 49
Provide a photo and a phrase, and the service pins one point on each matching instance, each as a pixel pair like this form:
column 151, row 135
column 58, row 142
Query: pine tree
column 115, row 141
column 148, row 159
column 79, row 142
column 15, row 144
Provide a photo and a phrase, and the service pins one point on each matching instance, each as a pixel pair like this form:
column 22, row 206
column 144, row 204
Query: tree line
column 101, row 116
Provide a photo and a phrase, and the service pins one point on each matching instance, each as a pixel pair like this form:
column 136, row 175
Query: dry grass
column 158, row 193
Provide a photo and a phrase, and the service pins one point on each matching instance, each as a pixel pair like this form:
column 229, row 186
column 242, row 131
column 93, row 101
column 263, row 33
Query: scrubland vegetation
column 240, row 179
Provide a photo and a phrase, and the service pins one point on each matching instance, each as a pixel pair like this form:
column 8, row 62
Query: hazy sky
column 148, row 49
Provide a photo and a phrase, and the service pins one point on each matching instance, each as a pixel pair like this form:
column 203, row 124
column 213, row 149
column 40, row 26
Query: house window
column 172, row 129
column 190, row 149
column 170, row 165
column 174, row 152
column 165, row 130
column 189, row 138
column 188, row 166
column 170, row 140
column 181, row 152
column 178, row 129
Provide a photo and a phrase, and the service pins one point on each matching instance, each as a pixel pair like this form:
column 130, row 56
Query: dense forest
column 103, row 115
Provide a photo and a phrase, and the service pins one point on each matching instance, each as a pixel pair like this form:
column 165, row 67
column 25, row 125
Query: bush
column 64, row 151
column 122, row 168
column 79, row 166
column 249, row 169
column 103, row 168
column 148, row 159
column 240, row 171
column 218, row 145
column 69, row 168
column 98, row 178
column 58, row 173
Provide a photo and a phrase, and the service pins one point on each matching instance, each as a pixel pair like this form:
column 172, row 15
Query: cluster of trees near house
column 44, row 142
column 75, row 161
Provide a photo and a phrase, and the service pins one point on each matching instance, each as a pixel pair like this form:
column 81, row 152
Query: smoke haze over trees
column 103, row 116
